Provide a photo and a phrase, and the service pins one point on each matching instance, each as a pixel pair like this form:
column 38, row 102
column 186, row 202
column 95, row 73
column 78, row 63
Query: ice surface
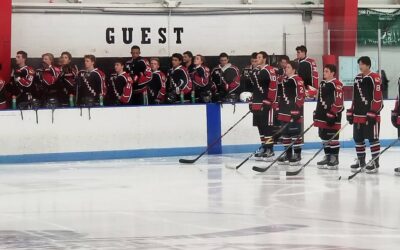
column 157, row 203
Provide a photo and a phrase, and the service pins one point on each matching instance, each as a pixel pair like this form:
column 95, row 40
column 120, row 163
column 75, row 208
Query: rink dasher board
column 138, row 132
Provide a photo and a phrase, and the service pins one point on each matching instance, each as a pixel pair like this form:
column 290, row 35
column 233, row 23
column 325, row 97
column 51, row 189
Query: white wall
column 208, row 1
column 209, row 35
column 158, row 1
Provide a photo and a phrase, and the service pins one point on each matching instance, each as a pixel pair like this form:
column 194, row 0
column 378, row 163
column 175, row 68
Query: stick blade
column 230, row 167
column 186, row 161
column 351, row 176
column 258, row 169
column 354, row 175
column 294, row 173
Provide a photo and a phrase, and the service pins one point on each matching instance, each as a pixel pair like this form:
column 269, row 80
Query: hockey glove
column 330, row 119
column 267, row 105
column 254, row 107
column 311, row 92
column 349, row 116
column 371, row 118
column 295, row 115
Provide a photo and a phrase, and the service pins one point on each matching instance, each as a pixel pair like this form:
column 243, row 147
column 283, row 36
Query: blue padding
column 99, row 155
column 145, row 153
column 214, row 128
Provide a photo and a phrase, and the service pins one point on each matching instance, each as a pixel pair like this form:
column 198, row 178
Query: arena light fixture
column 171, row 3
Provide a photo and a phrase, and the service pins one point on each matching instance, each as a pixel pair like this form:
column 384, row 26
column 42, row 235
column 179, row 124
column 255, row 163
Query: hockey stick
column 261, row 170
column 35, row 107
column 37, row 116
column 373, row 159
column 52, row 115
column 288, row 173
column 21, row 107
column 189, row 161
column 252, row 154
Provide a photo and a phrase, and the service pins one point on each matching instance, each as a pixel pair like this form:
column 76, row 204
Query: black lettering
column 163, row 38
column 110, row 39
column 145, row 36
column 127, row 38
column 178, row 32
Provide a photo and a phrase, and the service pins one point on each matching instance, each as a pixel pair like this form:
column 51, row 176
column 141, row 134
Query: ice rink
column 157, row 203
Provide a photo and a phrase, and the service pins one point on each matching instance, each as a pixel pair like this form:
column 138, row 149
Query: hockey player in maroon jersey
column 47, row 76
column 365, row 114
column 179, row 82
column 328, row 116
column 245, row 77
column 261, row 105
column 139, row 69
column 3, row 100
column 188, row 61
column 91, row 82
column 281, row 76
column 200, row 77
column 225, row 79
column 280, row 71
column 21, row 84
column 157, row 85
column 396, row 120
column 291, row 111
column 121, row 84
column 307, row 70
column 67, row 77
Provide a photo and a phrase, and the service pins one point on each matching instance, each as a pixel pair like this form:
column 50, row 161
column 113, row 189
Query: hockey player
column 67, row 77
column 120, row 85
column 280, row 71
column 225, row 80
column 264, row 96
column 180, row 83
column 91, row 82
column 281, row 76
column 245, row 78
column 139, row 69
column 200, row 77
column 365, row 114
column 328, row 115
column 3, row 100
column 48, row 81
column 307, row 70
column 396, row 121
column 21, row 84
column 157, row 85
column 291, row 111
column 188, row 61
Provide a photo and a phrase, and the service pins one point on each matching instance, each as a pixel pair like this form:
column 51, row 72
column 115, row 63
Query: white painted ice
column 160, row 204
